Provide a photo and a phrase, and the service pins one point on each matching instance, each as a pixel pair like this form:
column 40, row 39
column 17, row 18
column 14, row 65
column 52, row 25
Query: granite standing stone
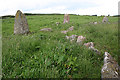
column 66, row 18
column 105, row 19
column 110, row 69
column 21, row 25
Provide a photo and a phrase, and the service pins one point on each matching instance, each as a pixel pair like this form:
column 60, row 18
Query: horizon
column 57, row 14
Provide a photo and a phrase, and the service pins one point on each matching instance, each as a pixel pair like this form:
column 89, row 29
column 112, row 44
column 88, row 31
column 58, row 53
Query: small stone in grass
column 80, row 39
column 71, row 28
column 65, row 32
column 46, row 29
column 89, row 44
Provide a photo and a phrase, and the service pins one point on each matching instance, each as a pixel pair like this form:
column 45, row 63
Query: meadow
column 50, row 54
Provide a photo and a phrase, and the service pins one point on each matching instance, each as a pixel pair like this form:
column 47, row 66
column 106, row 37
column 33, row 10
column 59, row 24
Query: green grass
column 50, row 55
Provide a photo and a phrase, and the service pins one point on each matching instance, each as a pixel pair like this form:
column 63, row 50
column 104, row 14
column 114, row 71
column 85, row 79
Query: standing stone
column 21, row 25
column 105, row 19
column 66, row 18
column 110, row 69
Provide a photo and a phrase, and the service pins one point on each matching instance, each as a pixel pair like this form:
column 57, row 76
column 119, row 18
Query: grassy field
column 50, row 55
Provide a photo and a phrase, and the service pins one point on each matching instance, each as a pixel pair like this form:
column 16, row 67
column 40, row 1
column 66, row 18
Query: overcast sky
column 82, row 7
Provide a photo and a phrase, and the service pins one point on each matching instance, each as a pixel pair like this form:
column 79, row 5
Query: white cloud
column 103, row 7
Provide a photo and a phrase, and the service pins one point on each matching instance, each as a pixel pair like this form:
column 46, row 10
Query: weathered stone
column 80, row 39
column 105, row 19
column 110, row 69
column 65, row 32
column 95, row 22
column 95, row 50
column 57, row 23
column 66, row 18
column 72, row 38
column 46, row 29
column 89, row 44
column 21, row 25
column 71, row 28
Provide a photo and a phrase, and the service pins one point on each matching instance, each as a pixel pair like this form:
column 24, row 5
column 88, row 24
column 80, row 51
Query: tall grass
column 50, row 55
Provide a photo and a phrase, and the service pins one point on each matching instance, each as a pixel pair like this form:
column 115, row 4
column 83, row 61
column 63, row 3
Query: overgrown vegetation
column 50, row 55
